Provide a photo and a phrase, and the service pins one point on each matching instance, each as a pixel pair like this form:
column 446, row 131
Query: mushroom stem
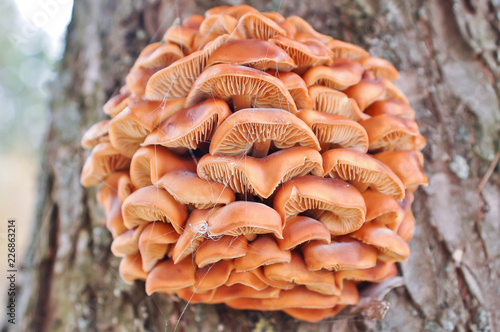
column 241, row 102
column 261, row 148
column 250, row 237
column 325, row 146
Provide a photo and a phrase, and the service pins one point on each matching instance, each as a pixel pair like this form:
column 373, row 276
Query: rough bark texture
column 447, row 53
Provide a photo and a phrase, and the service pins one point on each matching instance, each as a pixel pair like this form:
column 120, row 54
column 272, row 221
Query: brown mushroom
column 224, row 247
column 238, row 291
column 103, row 161
column 366, row 92
column 335, row 131
column 213, row 276
column 332, row 101
column 342, row 49
column 256, row 129
column 246, row 278
column 340, row 75
column 218, row 24
column 341, row 254
column 362, row 171
column 296, row 86
column 131, row 269
column 391, row 107
column 260, row 176
column 379, row 67
column 116, row 104
column 406, row 165
column 191, row 126
column 264, row 250
column 244, row 87
column 302, row 26
column 126, row 243
column 96, row 134
column 154, row 242
column 339, row 205
column 167, row 277
column 302, row 229
column 256, row 26
column 153, row 204
column 193, row 236
column 382, row 208
column 380, row 272
column 313, row 315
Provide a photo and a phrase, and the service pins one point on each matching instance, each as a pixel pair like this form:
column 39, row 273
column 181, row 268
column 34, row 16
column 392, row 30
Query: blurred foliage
column 25, row 68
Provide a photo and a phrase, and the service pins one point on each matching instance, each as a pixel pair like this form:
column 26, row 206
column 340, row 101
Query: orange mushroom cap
column 131, row 269
column 225, row 247
column 331, row 101
column 154, row 242
column 339, row 76
column 262, row 251
column 167, row 277
column 406, row 165
column 302, row 229
column 103, row 161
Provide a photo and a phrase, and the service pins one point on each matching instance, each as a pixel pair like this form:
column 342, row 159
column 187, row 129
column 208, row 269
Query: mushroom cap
column 254, row 25
column 296, row 297
column 238, row 291
column 350, row 294
column 237, row 135
column 213, row 276
column 296, row 86
column 302, row 229
column 226, row 247
column 280, row 284
column 176, row 80
column 192, row 295
column 227, row 81
column 332, row 101
column 167, row 277
column 313, row 315
column 114, row 219
column 103, row 161
column 189, row 189
column 390, row 245
column 258, row 54
column 348, row 254
column 158, row 55
column 363, row 170
column 366, row 92
column 126, row 243
column 243, row 218
column 193, row 235
column 379, row 67
column 150, row 163
column 116, row 104
column 129, row 128
column 339, row 76
column 342, row 49
column 296, row 271
column 182, row 36
column 96, row 134
column 136, row 80
column 344, row 205
column 381, row 207
column 131, row 269
column 393, row 92
column 388, row 131
column 247, row 278
column 302, row 26
column 117, row 187
column 264, row 250
column 235, row 11
column 218, row 24
column 153, row 204
column 406, row 228
column 304, row 54
column 260, row 176
column 189, row 127
column 335, row 130
column 380, row 272
column 406, row 165
column 154, row 242
column 391, row 107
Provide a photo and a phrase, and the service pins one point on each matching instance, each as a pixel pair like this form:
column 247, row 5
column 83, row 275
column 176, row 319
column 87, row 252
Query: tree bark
column 448, row 56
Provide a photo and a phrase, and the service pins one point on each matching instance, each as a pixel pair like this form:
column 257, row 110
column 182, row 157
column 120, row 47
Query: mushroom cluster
column 253, row 161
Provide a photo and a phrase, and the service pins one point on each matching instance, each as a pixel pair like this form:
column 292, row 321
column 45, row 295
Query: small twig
column 488, row 173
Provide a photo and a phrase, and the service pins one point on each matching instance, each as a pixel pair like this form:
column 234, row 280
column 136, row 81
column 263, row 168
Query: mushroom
column 154, row 242
column 406, row 165
column 382, row 208
column 302, row 229
column 150, row 163
column 341, row 254
column 296, row 271
column 213, row 276
column 362, row 171
column 224, row 247
column 254, row 25
column 103, row 161
column 153, row 204
column 366, row 92
column 387, row 132
column 96, row 134
column 131, row 269
column 218, row 24
column 245, row 218
column 235, row 11
column 126, row 243
column 264, row 250
column 340, row 75
column 176, row 80
column 296, row 86
column 246, row 278
column 406, row 228
column 189, row 189
column 245, row 87
column 332, row 101
column 342, row 49
column 380, row 272
column 191, row 126
column 280, row 284
column 303, row 27
column 260, row 176
column 129, row 128
column 167, row 277
column 181, row 35
column 238, row 291
column 255, row 129
column 379, row 67
column 275, row 16
column 390, row 245
column 391, row 107
column 116, row 104
column 313, row 315
column 334, row 131
column 393, row 92
column 258, row 54
column 350, row 294
column 339, row 205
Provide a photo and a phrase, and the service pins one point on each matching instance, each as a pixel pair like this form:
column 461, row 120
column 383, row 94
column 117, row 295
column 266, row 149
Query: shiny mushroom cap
column 388, row 132
column 193, row 236
column 167, row 277
column 339, row 76
column 256, row 26
column 296, row 86
column 391, row 107
column 304, row 54
column 96, row 134
column 342, row 49
column 103, row 161
column 131, row 269
column 154, row 242
column 332, row 101
column 225, row 247
column 366, row 92
column 302, row 229
column 264, row 250
column 406, row 165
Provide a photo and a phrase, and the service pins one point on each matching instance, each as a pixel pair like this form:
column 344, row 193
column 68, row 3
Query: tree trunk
column 448, row 58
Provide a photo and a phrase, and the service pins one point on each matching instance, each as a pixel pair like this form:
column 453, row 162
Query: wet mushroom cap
column 302, row 229
column 225, row 247
column 262, row 251
column 331, row 101
column 167, row 277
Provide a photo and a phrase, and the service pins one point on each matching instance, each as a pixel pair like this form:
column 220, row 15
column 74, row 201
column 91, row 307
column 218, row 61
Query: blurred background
column 31, row 42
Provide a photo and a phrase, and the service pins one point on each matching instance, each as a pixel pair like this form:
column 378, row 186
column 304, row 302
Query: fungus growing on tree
column 253, row 161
